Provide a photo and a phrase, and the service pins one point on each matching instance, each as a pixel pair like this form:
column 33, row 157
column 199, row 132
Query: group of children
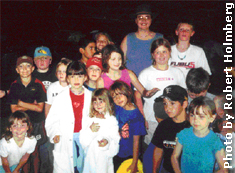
column 95, row 119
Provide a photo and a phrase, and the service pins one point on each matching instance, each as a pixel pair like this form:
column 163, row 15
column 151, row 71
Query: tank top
column 124, row 77
column 138, row 52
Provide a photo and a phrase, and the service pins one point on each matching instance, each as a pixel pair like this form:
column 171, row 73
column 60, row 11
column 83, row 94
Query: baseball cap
column 94, row 61
column 174, row 93
column 42, row 51
column 24, row 59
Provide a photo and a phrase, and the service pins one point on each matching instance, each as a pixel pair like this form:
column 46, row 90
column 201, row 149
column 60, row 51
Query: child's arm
column 139, row 104
column 133, row 166
column 219, row 157
column 100, row 83
column 139, row 86
column 37, row 107
column 23, row 160
column 175, row 156
column 47, row 108
column 17, row 108
column 157, row 159
column 5, row 165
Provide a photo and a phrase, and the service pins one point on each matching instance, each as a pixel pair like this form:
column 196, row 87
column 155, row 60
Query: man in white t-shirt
column 185, row 55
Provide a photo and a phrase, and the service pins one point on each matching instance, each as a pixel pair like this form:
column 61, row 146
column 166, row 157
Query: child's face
column 19, row 129
column 173, row 108
column 115, row 61
column 61, row 73
column 119, row 99
column 143, row 21
column 93, row 72
column 76, row 81
column 161, row 55
column 184, row 32
column 25, row 69
column 99, row 105
column 89, row 50
column 101, row 42
column 193, row 95
column 42, row 62
column 200, row 121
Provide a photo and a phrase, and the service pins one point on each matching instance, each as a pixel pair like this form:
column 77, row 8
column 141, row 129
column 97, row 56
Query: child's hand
column 56, row 139
column 95, row 127
column 103, row 143
column 132, row 168
column 125, row 131
column 150, row 93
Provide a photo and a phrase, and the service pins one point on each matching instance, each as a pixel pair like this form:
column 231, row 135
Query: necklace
column 182, row 58
column 77, row 93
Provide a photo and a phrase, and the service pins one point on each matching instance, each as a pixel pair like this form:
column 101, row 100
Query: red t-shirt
column 78, row 103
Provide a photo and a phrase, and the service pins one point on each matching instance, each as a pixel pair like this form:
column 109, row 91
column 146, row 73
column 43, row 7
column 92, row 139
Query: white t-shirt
column 152, row 78
column 53, row 90
column 13, row 152
column 193, row 57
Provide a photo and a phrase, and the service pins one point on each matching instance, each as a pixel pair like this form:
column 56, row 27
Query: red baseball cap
column 94, row 61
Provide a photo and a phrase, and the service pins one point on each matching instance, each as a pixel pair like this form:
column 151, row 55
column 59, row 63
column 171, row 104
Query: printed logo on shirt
column 32, row 89
column 76, row 104
column 54, row 94
column 46, row 84
column 124, row 132
column 169, row 144
column 164, row 79
column 183, row 64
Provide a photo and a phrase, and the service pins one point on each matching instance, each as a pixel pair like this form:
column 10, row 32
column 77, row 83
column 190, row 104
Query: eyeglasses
column 148, row 17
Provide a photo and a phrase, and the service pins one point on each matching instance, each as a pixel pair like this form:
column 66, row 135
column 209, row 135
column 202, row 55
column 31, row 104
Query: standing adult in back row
column 136, row 45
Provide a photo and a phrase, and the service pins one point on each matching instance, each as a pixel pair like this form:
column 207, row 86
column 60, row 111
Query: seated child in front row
column 94, row 69
column 114, row 69
column 100, row 138
column 131, row 125
column 68, row 114
column 200, row 146
column 17, row 143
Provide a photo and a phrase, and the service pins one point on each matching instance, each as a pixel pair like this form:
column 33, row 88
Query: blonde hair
column 102, row 94
column 63, row 61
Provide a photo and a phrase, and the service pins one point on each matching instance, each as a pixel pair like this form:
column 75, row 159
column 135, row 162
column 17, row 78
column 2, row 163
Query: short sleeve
column 33, row 143
column 49, row 95
column 157, row 139
column 218, row 145
column 3, row 148
column 203, row 62
column 41, row 94
column 13, row 97
column 180, row 137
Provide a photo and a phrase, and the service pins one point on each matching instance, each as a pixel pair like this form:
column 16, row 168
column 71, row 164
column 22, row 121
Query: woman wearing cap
column 136, row 45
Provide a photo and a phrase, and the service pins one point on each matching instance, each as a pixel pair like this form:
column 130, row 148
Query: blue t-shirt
column 198, row 154
column 135, row 121
column 138, row 52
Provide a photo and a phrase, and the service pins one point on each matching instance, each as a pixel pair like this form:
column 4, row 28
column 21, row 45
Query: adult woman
column 136, row 45
column 159, row 75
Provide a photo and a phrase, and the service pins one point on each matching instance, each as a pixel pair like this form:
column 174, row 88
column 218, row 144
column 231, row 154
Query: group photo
column 117, row 87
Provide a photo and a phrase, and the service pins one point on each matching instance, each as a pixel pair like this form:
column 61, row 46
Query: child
column 94, row 69
column 200, row 146
column 28, row 94
column 131, row 125
column 198, row 83
column 17, row 143
column 100, row 138
column 57, row 87
column 114, row 69
column 86, row 48
column 102, row 39
column 183, row 54
column 159, row 74
column 42, row 60
column 67, row 115
column 175, row 101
